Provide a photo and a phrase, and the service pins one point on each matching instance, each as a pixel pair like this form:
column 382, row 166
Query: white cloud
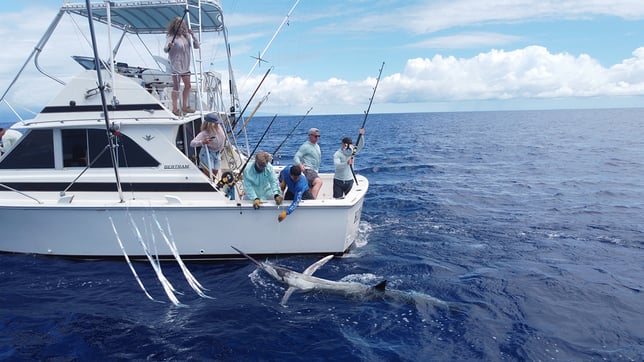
column 529, row 73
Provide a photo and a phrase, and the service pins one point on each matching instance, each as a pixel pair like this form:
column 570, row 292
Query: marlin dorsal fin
column 313, row 267
column 380, row 286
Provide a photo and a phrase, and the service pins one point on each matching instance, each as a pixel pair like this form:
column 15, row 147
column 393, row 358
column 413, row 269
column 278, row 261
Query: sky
column 452, row 55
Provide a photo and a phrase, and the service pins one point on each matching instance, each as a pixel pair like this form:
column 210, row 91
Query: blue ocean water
column 530, row 224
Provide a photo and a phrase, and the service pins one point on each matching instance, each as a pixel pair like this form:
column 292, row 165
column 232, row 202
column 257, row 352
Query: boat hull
column 200, row 230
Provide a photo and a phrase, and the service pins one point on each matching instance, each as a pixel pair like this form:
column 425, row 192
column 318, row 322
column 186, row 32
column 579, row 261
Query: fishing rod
column 241, row 171
column 290, row 133
column 252, row 114
column 364, row 121
column 176, row 31
column 232, row 127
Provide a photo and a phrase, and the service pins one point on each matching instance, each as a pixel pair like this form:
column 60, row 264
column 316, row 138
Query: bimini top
column 150, row 16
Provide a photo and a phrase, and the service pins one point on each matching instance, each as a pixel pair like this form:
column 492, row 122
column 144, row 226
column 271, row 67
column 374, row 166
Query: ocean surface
column 528, row 224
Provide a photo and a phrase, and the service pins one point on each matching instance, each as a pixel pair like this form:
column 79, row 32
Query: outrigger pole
column 290, row 133
column 364, row 121
column 261, row 56
column 109, row 130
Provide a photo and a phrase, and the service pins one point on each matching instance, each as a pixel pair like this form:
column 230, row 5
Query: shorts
column 307, row 195
column 311, row 175
column 215, row 159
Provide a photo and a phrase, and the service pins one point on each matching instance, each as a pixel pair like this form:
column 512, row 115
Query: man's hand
column 281, row 216
column 278, row 199
column 256, row 203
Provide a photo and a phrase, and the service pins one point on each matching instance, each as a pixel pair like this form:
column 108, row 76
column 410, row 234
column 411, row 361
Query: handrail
column 20, row 192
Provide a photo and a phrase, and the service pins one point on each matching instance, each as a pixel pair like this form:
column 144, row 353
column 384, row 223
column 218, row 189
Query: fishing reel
column 350, row 150
column 227, row 179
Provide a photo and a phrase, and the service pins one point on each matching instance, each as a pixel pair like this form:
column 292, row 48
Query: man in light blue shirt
column 308, row 158
column 260, row 181
column 343, row 160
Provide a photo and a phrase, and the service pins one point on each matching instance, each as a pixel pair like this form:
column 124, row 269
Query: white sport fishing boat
column 61, row 194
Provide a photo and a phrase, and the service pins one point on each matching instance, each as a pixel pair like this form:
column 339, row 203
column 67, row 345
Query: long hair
column 210, row 126
column 174, row 24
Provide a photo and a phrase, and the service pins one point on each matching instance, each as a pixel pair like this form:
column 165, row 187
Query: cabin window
column 82, row 147
column 75, row 148
column 185, row 134
column 36, row 150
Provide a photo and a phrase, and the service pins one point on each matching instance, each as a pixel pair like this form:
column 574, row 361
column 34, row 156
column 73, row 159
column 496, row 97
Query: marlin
column 306, row 282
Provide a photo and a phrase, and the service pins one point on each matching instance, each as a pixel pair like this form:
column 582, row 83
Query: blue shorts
column 215, row 158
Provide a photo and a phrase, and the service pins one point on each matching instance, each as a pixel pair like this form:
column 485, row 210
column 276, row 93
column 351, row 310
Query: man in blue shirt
column 298, row 188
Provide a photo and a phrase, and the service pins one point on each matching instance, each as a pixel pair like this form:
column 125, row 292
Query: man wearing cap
column 343, row 161
column 308, row 158
column 212, row 140
column 260, row 181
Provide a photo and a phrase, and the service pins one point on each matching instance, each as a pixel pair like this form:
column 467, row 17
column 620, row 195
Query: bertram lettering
column 175, row 167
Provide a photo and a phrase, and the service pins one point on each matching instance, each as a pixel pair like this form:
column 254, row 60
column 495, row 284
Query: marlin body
column 305, row 281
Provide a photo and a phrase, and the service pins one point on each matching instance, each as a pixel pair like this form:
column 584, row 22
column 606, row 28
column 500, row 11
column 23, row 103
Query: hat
column 262, row 159
column 213, row 117
column 314, row 131
column 347, row 140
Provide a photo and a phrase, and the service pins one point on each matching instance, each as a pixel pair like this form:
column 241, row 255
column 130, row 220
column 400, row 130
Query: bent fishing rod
column 290, row 133
column 364, row 121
